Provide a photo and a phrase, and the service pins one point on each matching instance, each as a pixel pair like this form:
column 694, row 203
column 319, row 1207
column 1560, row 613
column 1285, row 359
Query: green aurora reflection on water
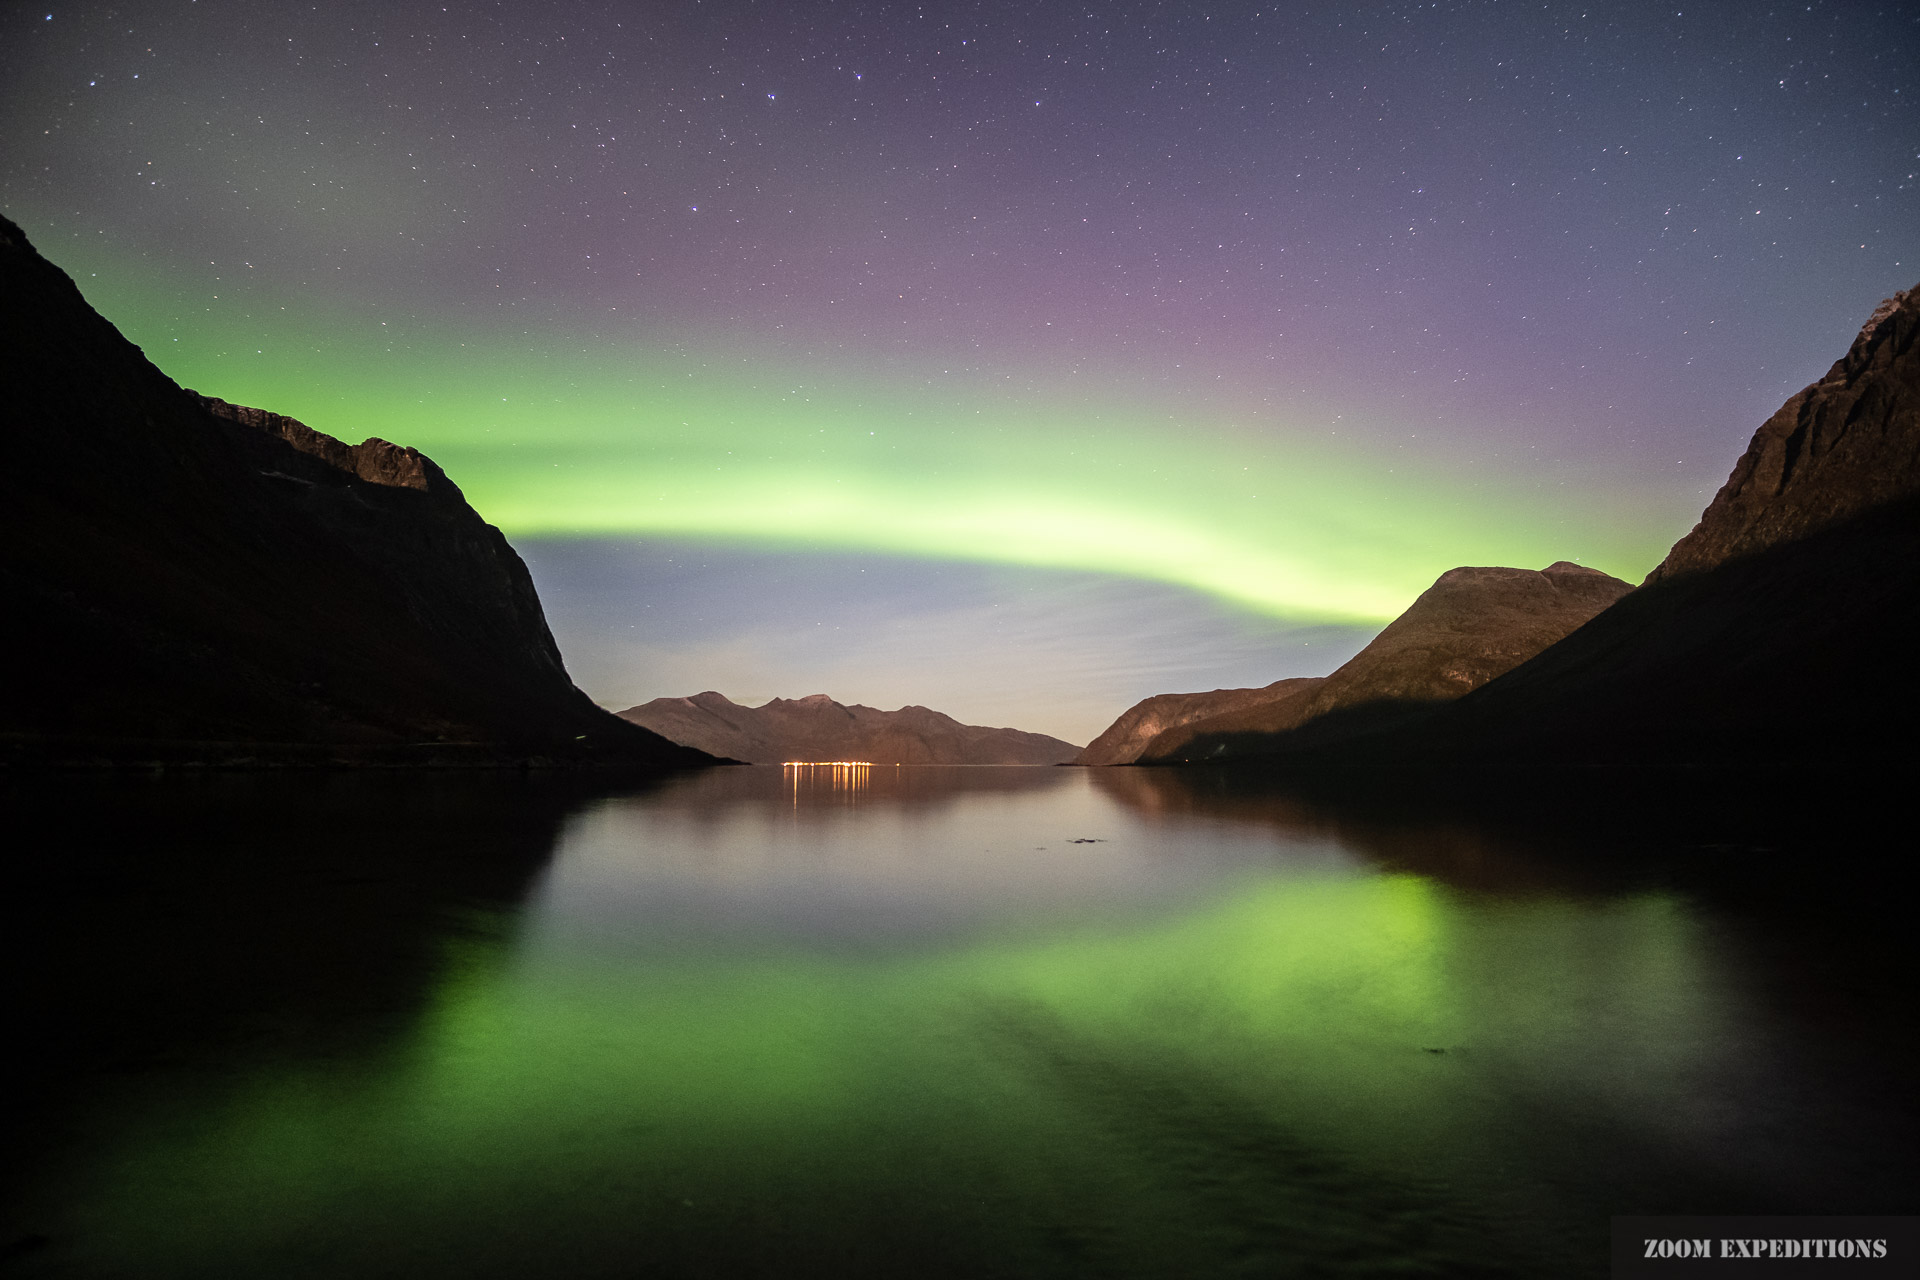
column 733, row 1037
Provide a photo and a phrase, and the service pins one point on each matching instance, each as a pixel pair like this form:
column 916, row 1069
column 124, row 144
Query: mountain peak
column 1473, row 624
column 1839, row 447
column 1884, row 312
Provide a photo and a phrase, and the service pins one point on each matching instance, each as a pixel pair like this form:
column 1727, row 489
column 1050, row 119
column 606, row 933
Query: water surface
column 996, row 1022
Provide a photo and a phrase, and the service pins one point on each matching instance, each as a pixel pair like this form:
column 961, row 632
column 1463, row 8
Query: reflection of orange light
column 847, row 776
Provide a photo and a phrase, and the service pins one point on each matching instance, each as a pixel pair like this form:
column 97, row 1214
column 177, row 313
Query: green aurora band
column 553, row 436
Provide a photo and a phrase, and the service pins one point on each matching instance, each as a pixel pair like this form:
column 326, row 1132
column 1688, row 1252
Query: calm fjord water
column 992, row 1022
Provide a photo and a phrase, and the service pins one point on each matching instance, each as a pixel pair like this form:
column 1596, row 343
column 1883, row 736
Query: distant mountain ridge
column 818, row 728
column 1140, row 724
column 197, row 582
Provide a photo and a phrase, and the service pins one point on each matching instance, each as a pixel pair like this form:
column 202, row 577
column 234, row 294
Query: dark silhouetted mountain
column 187, row 580
column 1145, row 720
column 818, row 728
column 1471, row 625
column 1776, row 638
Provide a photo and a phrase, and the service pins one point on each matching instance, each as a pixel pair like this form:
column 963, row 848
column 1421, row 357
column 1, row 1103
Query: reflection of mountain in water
column 1814, row 855
column 707, row 797
column 1467, row 848
column 305, row 1027
column 260, row 914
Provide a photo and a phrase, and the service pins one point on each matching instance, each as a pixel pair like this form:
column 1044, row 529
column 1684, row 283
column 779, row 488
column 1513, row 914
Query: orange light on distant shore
column 846, row 777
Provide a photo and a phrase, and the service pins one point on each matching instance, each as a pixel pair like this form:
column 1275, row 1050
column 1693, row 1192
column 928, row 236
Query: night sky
column 1017, row 360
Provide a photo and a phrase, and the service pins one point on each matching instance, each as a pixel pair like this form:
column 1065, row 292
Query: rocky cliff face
column 818, row 728
column 1147, row 719
column 189, row 580
column 372, row 460
column 1471, row 625
column 1842, row 446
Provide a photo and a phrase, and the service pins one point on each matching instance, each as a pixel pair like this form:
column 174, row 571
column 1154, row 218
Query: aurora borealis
column 1253, row 317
